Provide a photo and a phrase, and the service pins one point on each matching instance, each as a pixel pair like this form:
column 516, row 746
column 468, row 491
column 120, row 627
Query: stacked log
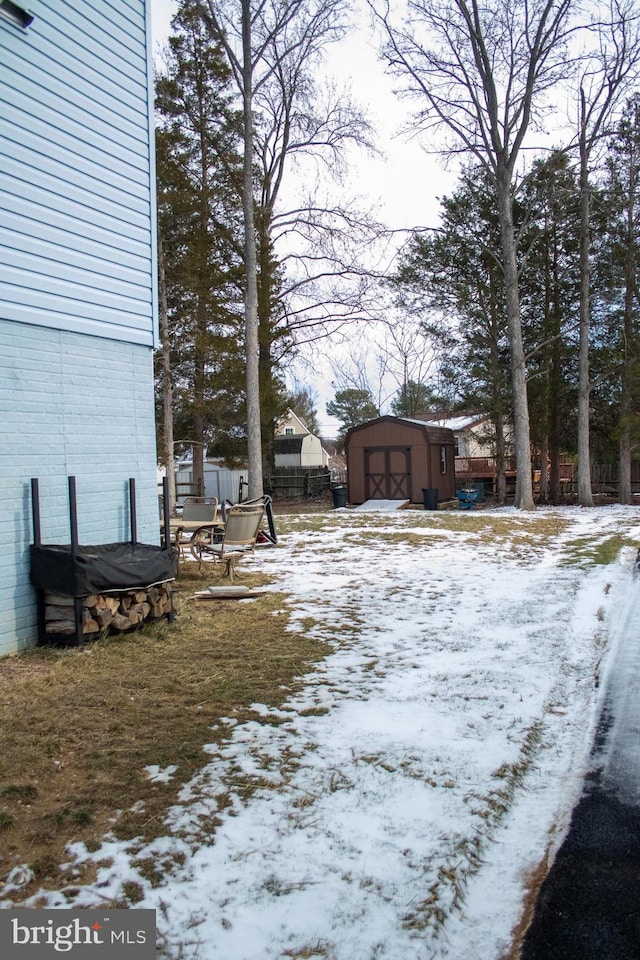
column 107, row 612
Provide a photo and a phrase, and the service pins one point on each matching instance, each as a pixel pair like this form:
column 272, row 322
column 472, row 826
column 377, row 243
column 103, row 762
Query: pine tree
column 622, row 278
column 199, row 215
column 452, row 282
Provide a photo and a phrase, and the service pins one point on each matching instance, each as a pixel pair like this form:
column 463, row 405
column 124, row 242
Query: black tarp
column 98, row 569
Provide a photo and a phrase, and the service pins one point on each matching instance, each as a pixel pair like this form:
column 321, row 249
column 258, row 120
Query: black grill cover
column 108, row 566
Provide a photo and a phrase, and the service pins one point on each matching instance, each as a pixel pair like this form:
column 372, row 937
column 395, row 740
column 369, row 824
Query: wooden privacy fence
column 293, row 482
column 605, row 477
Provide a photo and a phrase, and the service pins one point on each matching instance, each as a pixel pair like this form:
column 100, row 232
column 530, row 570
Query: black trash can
column 339, row 497
column 430, row 499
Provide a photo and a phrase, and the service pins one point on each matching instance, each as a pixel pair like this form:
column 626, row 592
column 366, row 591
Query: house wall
column 290, row 424
column 77, row 283
column 312, row 454
column 78, row 406
column 76, row 170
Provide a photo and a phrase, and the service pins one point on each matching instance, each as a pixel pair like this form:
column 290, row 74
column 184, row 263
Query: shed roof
column 289, row 443
column 432, row 433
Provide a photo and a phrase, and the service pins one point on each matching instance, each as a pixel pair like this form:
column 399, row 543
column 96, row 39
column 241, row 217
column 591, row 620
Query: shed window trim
column 443, row 459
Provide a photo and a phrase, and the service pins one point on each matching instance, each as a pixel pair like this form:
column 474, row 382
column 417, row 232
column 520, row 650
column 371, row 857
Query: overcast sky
column 403, row 183
column 405, row 180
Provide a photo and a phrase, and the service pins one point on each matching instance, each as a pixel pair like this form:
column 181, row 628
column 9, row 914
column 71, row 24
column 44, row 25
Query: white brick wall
column 69, row 405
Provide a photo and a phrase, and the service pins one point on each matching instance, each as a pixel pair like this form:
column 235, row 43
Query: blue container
column 466, row 498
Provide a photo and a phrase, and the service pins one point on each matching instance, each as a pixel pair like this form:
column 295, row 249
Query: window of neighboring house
column 443, row 459
column 288, row 431
column 456, row 442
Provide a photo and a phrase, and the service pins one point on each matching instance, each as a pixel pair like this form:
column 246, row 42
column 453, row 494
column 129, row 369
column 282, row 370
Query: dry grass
column 79, row 725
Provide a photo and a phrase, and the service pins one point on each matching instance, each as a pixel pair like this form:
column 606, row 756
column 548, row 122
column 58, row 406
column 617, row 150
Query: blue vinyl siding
column 78, row 297
column 70, row 405
column 77, row 178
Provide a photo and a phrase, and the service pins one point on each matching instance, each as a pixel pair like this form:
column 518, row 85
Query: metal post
column 132, row 511
column 37, row 539
column 35, row 511
column 73, row 515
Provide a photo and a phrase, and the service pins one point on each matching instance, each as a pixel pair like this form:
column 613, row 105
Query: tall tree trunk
column 625, row 495
column 167, row 385
column 496, row 396
column 198, row 447
column 265, row 363
column 585, row 496
column 254, row 442
column 626, row 398
column 524, row 485
column 555, row 381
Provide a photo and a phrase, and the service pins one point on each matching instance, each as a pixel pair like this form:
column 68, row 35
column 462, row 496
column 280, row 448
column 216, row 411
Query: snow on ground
column 409, row 789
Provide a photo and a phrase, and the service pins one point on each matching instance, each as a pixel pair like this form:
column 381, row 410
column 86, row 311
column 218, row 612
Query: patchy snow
column 160, row 774
column 408, row 791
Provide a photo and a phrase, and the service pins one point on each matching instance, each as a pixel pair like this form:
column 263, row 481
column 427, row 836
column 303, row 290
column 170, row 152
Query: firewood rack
column 75, row 570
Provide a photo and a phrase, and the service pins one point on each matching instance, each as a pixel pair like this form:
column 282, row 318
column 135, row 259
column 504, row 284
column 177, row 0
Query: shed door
column 387, row 473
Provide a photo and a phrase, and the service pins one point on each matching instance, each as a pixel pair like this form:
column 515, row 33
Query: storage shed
column 395, row 458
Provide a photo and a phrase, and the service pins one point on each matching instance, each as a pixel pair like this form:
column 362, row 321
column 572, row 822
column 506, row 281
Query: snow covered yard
column 406, row 796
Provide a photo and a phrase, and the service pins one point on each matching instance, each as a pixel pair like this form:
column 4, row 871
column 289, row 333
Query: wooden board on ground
column 383, row 506
column 230, row 592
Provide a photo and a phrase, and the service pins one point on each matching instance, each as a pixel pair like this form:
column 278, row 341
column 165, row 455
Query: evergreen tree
column 618, row 269
column 414, row 398
column 199, row 218
column 453, row 283
column 549, row 298
column 303, row 404
column 352, row 407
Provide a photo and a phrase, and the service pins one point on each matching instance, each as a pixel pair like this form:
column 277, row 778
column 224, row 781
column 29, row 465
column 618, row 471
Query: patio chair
column 195, row 511
column 204, row 510
column 267, row 536
column 241, row 529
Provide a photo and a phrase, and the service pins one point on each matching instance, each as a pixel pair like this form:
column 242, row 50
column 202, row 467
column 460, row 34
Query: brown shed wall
column 391, row 458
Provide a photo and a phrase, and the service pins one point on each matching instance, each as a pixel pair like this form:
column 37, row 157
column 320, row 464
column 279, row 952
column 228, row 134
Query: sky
column 405, row 181
column 407, row 792
column 403, row 184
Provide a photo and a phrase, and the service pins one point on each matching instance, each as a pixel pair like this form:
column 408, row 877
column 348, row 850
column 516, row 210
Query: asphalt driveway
column 589, row 905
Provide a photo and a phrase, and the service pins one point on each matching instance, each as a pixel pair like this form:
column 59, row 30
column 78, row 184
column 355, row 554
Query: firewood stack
column 107, row 612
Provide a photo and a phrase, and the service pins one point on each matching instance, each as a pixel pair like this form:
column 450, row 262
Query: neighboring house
column 398, row 458
column 472, row 432
column 296, row 446
column 77, row 281
column 290, row 424
column 475, row 445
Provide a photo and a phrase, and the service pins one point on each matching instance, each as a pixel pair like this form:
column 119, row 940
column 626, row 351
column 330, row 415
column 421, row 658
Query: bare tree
column 246, row 32
column 273, row 47
column 482, row 72
column 608, row 69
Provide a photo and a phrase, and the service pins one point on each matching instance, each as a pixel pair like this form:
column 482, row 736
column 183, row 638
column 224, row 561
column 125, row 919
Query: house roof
column 291, row 443
column 459, row 423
